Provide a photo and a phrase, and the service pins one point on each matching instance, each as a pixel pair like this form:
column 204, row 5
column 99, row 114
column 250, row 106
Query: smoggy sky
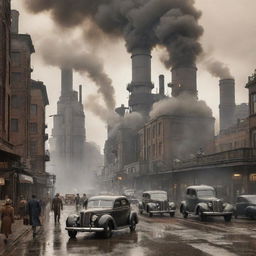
column 229, row 36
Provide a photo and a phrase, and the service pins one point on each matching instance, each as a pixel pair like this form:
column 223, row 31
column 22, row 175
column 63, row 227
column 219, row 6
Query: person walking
column 34, row 211
column 57, row 207
column 7, row 217
column 84, row 201
column 22, row 208
column 77, row 201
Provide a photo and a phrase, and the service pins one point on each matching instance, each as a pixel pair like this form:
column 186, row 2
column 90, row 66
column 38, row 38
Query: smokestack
column 15, row 22
column 140, row 88
column 80, row 94
column 66, row 81
column 161, row 85
column 184, row 80
column 227, row 103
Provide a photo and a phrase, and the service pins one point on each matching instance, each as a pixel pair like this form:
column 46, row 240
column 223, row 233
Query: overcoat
column 7, row 217
column 34, row 211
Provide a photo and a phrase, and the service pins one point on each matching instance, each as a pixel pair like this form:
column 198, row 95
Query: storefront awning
column 25, row 179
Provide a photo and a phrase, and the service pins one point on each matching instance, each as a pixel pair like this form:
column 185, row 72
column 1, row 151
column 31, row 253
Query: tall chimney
column 184, row 79
column 15, row 21
column 227, row 103
column 161, row 85
column 80, row 94
column 141, row 99
column 66, row 81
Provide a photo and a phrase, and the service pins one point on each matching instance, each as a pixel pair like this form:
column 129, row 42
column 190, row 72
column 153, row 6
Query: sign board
column 2, row 181
column 25, row 179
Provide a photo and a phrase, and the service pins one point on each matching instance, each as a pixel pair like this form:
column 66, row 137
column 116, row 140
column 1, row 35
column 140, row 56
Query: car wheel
column 72, row 234
column 172, row 214
column 108, row 230
column 133, row 225
column 141, row 211
column 202, row 216
column 228, row 218
column 184, row 213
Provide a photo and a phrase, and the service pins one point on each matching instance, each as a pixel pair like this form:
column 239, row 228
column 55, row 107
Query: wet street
column 154, row 236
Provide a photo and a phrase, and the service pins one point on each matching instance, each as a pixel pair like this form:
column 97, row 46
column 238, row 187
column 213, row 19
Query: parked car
column 156, row 202
column 245, row 206
column 103, row 215
column 202, row 201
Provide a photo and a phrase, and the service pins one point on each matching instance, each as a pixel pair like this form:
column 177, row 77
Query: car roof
column 155, row 192
column 110, row 198
column 247, row 196
column 200, row 187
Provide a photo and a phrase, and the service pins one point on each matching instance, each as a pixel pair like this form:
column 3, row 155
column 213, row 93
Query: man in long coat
column 7, row 216
column 34, row 211
column 57, row 207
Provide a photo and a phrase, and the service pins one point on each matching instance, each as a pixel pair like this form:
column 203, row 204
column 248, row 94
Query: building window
column 15, row 78
column 15, row 101
column 154, row 131
column 160, row 148
column 16, row 59
column 148, row 134
column 159, row 129
column 33, row 109
column 253, row 177
column 33, row 127
column 253, row 99
column 14, row 125
column 33, row 148
column 154, row 150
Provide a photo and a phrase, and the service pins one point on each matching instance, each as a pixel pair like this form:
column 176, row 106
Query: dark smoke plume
column 141, row 23
column 70, row 55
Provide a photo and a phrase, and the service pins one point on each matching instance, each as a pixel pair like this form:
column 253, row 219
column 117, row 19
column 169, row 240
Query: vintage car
column 201, row 200
column 245, row 206
column 103, row 215
column 156, row 202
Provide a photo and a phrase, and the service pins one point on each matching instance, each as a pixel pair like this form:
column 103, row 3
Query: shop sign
column 2, row 181
column 25, row 179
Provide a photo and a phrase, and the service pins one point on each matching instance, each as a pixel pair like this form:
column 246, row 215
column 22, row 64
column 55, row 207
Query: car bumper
column 167, row 211
column 84, row 229
column 217, row 213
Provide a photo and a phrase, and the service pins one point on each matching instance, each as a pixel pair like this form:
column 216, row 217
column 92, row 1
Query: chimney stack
column 15, row 21
column 227, row 103
column 161, row 85
column 66, row 82
column 80, row 94
column 184, row 80
column 141, row 99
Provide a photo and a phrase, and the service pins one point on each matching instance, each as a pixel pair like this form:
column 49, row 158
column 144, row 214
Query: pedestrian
column 7, row 217
column 84, row 201
column 34, row 211
column 77, row 201
column 57, row 207
column 22, row 207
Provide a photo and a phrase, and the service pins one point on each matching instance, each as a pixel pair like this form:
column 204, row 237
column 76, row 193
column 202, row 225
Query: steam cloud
column 69, row 55
column 141, row 23
column 183, row 105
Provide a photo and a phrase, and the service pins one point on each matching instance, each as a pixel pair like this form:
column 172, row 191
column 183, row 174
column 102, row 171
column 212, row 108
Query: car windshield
column 252, row 200
column 159, row 196
column 206, row 193
column 100, row 204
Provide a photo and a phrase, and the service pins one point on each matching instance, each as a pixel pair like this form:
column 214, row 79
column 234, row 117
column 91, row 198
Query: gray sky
column 230, row 36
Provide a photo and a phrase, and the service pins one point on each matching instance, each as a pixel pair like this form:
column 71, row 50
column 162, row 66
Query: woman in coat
column 34, row 211
column 7, row 216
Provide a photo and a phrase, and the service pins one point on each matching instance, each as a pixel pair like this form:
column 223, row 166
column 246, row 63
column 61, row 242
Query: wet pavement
column 154, row 236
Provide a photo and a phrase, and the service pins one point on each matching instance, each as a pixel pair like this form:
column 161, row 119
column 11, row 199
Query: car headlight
column 94, row 218
column 210, row 204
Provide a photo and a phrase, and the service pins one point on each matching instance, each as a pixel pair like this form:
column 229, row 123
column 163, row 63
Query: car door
column 191, row 199
column 117, row 212
column 125, row 211
column 146, row 200
column 241, row 205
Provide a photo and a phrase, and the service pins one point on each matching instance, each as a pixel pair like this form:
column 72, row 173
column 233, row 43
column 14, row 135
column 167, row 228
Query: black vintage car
column 156, row 202
column 201, row 200
column 246, row 206
column 103, row 215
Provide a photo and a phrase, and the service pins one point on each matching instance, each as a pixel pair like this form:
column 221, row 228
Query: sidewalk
column 18, row 231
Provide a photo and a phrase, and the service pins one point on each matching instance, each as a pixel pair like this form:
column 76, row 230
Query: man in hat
column 57, row 207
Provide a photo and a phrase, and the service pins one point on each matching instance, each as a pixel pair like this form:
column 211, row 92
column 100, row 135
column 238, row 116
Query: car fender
column 228, row 208
column 250, row 210
column 133, row 215
column 183, row 205
column 72, row 220
column 151, row 206
column 105, row 219
column 172, row 205
column 201, row 206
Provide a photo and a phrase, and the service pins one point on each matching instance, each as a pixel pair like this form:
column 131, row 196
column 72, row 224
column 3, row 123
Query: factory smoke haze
column 72, row 56
column 141, row 23
column 183, row 105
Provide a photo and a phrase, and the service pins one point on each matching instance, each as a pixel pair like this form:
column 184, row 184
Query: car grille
column 163, row 205
column 217, row 206
column 85, row 219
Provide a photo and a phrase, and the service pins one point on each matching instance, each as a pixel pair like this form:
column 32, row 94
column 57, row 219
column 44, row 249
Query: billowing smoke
column 183, row 105
column 70, row 55
column 141, row 23
column 217, row 68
